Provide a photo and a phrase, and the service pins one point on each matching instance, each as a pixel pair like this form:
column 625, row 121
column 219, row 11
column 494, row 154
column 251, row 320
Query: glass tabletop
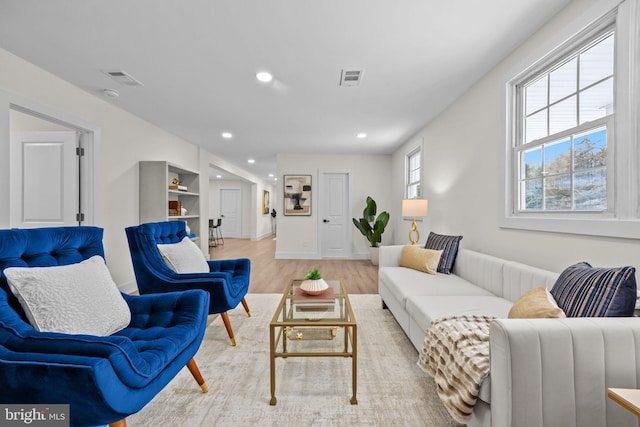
column 297, row 309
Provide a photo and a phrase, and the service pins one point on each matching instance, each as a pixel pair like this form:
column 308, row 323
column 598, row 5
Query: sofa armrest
column 389, row 256
column 552, row 372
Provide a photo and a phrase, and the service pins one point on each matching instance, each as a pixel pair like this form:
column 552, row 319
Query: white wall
column 462, row 149
column 370, row 176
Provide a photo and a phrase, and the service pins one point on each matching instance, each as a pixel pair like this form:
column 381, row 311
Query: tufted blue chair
column 103, row 378
column 227, row 282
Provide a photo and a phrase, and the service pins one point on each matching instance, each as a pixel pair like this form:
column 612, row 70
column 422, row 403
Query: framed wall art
column 265, row 202
column 297, row 195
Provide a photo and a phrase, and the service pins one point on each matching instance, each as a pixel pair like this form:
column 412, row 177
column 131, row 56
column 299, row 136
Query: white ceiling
column 197, row 60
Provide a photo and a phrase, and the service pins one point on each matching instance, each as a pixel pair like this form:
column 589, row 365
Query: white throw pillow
column 77, row 298
column 184, row 257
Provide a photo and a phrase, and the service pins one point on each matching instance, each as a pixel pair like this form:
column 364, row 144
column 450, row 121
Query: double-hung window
column 572, row 149
column 566, row 113
column 413, row 179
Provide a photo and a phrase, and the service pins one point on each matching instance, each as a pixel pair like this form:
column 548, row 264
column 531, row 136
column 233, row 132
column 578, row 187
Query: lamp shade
column 415, row 207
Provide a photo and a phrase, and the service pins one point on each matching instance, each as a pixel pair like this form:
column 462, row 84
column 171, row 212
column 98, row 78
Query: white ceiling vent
column 350, row 77
column 122, row 77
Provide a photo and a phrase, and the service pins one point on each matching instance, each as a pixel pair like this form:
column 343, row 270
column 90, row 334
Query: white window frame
column 622, row 218
column 407, row 174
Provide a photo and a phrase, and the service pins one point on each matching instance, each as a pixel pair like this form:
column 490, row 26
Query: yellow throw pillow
column 536, row 303
column 420, row 259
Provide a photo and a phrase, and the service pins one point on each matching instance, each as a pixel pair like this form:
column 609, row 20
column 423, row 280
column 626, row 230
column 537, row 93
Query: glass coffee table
column 313, row 329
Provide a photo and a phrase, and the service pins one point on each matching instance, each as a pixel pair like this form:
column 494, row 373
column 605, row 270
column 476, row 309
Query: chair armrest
column 548, row 372
column 168, row 309
column 239, row 265
column 389, row 256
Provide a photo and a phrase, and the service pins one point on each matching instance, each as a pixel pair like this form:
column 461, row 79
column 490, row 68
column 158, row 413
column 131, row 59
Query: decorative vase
column 374, row 254
column 314, row 287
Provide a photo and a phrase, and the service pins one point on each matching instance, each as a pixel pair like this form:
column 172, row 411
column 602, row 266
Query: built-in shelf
column 155, row 179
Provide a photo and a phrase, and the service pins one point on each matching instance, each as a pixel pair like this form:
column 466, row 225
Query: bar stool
column 212, row 234
column 218, row 233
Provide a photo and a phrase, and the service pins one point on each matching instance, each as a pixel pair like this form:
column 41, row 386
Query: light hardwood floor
column 270, row 275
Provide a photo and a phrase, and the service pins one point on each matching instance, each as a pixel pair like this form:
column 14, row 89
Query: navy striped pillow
column 449, row 247
column 585, row 291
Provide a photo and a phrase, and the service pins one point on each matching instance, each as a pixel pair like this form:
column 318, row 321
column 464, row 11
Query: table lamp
column 414, row 208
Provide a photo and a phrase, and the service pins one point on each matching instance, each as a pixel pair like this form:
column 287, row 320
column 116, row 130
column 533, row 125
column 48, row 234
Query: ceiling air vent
column 122, row 77
column 350, row 77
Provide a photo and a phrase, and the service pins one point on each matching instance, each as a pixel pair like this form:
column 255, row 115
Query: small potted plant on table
column 313, row 283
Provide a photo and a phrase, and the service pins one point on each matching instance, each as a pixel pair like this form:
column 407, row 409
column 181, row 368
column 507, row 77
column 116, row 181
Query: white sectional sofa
column 544, row 372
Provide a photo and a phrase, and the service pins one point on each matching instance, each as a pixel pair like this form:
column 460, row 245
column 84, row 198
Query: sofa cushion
column 536, row 303
column 585, row 291
column 520, row 278
column 79, row 298
column 426, row 308
column 482, row 270
column 420, row 259
column 405, row 282
column 449, row 246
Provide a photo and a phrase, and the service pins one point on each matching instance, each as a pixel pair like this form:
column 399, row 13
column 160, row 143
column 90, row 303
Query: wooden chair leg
column 246, row 307
column 121, row 423
column 193, row 368
column 227, row 324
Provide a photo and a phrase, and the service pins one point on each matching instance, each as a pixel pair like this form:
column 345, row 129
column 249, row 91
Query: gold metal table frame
column 314, row 330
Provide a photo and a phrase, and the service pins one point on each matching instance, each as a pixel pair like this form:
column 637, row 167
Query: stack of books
column 178, row 187
column 305, row 302
column 175, row 208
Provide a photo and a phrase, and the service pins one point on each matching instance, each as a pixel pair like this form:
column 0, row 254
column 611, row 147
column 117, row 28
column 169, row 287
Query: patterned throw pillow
column 585, row 291
column 449, row 247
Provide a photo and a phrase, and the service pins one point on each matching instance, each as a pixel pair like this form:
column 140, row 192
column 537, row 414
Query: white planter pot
column 314, row 287
column 373, row 253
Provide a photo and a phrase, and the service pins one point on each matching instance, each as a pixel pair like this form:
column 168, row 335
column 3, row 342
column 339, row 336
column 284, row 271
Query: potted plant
column 372, row 227
column 313, row 283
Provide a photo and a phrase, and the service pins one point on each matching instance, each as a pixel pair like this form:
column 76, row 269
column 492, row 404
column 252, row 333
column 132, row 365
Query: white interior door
column 44, row 179
column 231, row 212
column 334, row 215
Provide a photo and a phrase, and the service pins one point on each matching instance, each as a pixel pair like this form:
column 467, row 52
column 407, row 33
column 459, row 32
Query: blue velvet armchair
column 227, row 282
column 103, row 378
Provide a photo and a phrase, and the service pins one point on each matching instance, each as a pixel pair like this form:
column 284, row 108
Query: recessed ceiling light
column 361, row 135
column 270, row 175
column 218, row 176
column 251, row 161
column 264, row 76
column 227, row 135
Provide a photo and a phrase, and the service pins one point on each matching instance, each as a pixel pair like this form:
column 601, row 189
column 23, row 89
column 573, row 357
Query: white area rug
column 392, row 389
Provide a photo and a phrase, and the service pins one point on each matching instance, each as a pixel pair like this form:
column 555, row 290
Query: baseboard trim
column 315, row 255
column 263, row 236
column 297, row 255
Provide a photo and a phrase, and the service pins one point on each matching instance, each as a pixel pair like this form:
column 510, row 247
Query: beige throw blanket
column 456, row 354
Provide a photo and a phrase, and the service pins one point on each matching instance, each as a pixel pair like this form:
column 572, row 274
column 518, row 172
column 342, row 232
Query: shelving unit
column 155, row 179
